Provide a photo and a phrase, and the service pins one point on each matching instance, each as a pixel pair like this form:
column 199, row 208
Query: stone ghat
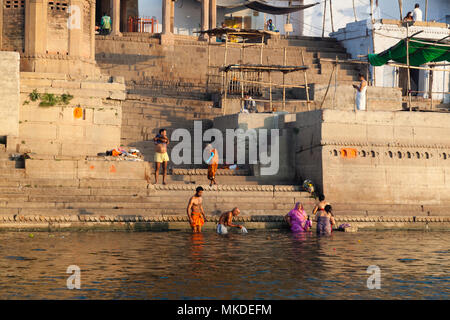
column 180, row 223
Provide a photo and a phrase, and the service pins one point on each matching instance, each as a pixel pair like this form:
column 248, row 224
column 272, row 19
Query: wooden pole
column 270, row 91
column 354, row 11
column 368, row 68
column 288, row 19
column 331, row 16
column 328, row 87
column 284, row 88
column 373, row 40
column 241, row 76
column 430, row 87
column 306, row 81
column 426, row 9
column 400, row 7
column 407, row 64
column 335, row 83
column 225, row 98
column 225, row 58
column 261, row 52
column 324, row 15
column 209, row 64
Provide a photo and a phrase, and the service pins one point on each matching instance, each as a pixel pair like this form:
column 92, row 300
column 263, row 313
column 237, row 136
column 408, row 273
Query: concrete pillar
column 205, row 17
column 301, row 19
column 116, row 18
column 166, row 16
column 92, row 31
column 212, row 14
column 35, row 27
column 172, row 16
column 1, row 26
column 75, row 31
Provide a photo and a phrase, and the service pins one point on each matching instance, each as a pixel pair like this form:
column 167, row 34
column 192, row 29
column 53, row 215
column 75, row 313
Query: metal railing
column 142, row 24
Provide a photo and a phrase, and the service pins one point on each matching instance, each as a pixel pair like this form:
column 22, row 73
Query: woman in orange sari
column 212, row 166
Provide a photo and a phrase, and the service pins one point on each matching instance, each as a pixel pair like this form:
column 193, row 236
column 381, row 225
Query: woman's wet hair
column 321, row 197
column 328, row 208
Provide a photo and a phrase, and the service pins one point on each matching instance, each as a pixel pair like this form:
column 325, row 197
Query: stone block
column 10, row 93
column 50, row 169
column 108, row 117
column 66, row 84
column 111, row 170
column 70, row 132
column 103, row 134
column 37, row 131
column 34, row 113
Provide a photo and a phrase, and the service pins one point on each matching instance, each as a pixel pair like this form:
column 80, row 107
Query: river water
column 257, row 265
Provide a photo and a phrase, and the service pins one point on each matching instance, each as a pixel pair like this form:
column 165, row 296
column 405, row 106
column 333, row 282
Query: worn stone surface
column 10, row 93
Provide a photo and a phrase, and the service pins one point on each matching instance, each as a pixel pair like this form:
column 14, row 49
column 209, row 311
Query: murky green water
column 257, row 265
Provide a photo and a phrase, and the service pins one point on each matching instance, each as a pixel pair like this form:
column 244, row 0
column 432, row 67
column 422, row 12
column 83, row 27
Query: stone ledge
column 17, row 218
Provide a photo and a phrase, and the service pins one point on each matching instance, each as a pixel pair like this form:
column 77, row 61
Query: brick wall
column 13, row 38
column 57, row 33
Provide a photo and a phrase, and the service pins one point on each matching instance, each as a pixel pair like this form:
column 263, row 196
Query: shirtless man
column 195, row 212
column 321, row 205
column 226, row 220
column 161, row 155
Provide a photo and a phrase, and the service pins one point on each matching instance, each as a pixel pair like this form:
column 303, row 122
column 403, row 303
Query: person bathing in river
column 195, row 212
column 325, row 220
column 226, row 220
column 321, row 205
column 298, row 219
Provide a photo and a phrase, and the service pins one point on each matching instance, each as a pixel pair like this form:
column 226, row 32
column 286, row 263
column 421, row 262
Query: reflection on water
column 257, row 265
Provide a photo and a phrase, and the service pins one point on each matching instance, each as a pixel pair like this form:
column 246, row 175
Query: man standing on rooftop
column 417, row 13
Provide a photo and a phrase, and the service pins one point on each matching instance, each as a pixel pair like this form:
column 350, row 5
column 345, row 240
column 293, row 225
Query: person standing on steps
column 361, row 92
column 213, row 164
column 195, row 212
column 161, row 141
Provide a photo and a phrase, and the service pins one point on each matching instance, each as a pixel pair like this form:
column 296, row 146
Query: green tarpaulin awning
column 420, row 52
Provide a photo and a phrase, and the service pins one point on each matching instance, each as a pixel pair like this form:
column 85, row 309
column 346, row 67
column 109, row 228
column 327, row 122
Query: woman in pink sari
column 298, row 219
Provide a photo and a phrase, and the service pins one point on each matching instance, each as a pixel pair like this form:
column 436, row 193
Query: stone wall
column 401, row 157
column 57, row 31
column 12, row 20
column 245, row 142
column 90, row 123
column 193, row 64
column 45, row 42
column 9, row 93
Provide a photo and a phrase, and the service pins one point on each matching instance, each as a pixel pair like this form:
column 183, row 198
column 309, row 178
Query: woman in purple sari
column 298, row 219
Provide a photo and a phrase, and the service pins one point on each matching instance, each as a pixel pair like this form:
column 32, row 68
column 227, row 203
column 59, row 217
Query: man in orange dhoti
column 212, row 166
column 195, row 212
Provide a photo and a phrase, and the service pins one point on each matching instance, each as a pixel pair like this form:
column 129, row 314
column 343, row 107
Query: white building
column 307, row 22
